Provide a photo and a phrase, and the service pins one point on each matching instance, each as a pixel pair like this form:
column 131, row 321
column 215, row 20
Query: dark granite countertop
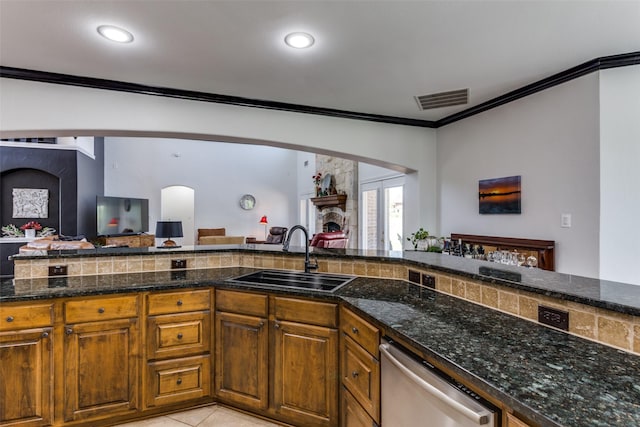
column 550, row 377
column 615, row 296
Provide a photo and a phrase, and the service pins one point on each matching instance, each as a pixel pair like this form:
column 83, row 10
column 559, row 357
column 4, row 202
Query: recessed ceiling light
column 299, row 40
column 115, row 34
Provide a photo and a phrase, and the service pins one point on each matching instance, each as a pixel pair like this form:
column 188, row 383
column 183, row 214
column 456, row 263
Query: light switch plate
column 565, row 220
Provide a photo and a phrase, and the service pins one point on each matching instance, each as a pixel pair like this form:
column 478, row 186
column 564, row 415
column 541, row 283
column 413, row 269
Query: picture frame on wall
column 500, row 195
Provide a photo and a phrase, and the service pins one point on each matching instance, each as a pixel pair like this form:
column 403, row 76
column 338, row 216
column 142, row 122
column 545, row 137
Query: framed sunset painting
column 499, row 195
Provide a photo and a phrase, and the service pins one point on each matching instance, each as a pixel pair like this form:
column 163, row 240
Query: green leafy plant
column 416, row 236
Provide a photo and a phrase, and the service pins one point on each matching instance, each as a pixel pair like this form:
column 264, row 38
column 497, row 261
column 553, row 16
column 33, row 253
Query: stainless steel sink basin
column 296, row 279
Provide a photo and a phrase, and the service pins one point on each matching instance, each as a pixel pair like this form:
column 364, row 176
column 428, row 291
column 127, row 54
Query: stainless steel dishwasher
column 416, row 394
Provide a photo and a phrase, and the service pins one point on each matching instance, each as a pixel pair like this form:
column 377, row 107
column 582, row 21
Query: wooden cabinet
column 305, row 354
column 178, row 347
column 242, row 349
column 101, row 352
column 359, row 370
column 26, row 365
column 513, row 421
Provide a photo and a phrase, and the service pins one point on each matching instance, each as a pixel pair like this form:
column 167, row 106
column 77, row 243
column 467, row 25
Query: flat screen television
column 121, row 216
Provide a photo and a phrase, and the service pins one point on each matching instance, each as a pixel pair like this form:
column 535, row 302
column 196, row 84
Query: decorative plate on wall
column 247, row 202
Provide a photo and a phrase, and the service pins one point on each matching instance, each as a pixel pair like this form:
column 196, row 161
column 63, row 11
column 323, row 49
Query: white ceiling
column 369, row 56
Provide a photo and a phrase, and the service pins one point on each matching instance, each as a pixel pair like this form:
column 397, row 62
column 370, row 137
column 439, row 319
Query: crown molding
column 602, row 63
column 114, row 85
column 588, row 67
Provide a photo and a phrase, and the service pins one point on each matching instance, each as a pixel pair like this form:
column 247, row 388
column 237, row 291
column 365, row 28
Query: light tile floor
column 208, row 416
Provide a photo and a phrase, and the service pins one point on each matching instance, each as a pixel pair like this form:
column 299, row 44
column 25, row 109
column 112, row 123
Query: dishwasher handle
column 481, row 417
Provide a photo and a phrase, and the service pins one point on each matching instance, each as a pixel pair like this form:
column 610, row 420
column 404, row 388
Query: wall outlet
column 428, row 281
column 57, row 270
column 552, row 317
column 414, row 276
column 178, row 263
column 565, row 220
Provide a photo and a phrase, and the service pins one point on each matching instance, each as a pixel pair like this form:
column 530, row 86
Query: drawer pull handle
column 10, row 319
column 277, row 326
column 45, row 334
column 180, row 336
column 69, row 331
column 179, row 302
column 260, row 325
column 355, row 374
column 179, row 381
column 101, row 310
column 354, row 330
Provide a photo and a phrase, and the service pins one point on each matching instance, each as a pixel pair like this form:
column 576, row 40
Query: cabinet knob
column 277, row 326
column 180, row 335
column 101, row 310
column 355, row 374
column 179, row 381
column 10, row 319
column 260, row 325
column 354, row 330
column 45, row 334
column 179, row 303
column 69, row 331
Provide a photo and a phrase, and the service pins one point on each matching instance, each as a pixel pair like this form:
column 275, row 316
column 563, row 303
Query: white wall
column 620, row 174
column 551, row 139
column 34, row 109
column 220, row 173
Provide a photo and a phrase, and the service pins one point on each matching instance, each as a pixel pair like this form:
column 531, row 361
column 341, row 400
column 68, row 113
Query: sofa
column 54, row 243
column 333, row 239
column 217, row 236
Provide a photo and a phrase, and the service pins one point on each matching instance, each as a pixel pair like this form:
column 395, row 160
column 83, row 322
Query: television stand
column 132, row 240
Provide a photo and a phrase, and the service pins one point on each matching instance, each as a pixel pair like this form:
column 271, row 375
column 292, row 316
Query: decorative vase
column 30, row 233
column 318, row 192
column 423, row 244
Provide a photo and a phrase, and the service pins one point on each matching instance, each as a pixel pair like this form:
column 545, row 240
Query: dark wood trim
column 544, row 248
column 602, row 63
column 95, row 83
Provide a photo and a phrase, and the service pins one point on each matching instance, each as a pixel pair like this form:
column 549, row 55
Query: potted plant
column 419, row 239
column 30, row 228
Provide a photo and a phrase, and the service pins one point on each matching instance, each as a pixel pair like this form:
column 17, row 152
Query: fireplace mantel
column 335, row 200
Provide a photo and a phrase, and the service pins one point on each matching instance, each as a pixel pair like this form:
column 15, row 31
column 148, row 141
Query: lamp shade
column 263, row 220
column 167, row 230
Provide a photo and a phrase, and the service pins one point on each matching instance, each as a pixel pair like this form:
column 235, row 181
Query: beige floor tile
column 155, row 422
column 195, row 416
column 224, row 417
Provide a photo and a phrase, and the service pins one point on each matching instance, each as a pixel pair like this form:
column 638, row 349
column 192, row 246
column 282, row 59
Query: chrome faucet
column 308, row 266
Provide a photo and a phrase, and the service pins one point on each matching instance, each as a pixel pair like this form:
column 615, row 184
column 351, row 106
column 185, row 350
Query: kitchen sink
column 295, row 279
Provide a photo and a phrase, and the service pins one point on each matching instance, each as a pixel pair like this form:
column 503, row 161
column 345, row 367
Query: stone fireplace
column 345, row 178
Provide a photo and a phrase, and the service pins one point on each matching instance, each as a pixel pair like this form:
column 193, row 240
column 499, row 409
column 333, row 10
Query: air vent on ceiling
column 443, row 99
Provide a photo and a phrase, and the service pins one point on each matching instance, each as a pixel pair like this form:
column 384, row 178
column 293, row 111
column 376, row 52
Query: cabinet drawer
column 90, row 310
column 512, row 421
column 361, row 376
column 352, row 413
column 361, row 331
column 178, row 380
column 25, row 316
column 242, row 303
column 178, row 335
column 179, row 302
column 305, row 311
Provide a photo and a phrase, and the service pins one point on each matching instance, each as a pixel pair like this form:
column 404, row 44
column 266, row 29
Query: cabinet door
column 305, row 374
column 353, row 415
column 241, row 366
column 26, row 382
column 101, row 371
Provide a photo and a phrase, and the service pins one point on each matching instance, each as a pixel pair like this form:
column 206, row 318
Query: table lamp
column 167, row 230
column 264, row 221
